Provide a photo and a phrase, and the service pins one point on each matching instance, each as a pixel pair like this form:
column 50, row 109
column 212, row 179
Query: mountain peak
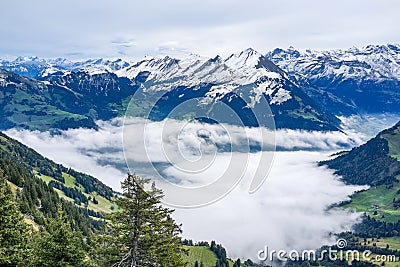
column 395, row 47
column 250, row 51
column 217, row 59
column 28, row 59
column 245, row 59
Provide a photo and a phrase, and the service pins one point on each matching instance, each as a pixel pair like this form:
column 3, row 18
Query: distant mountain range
column 305, row 90
column 348, row 81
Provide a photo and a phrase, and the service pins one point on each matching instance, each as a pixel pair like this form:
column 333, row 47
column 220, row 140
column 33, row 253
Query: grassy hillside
column 374, row 163
column 27, row 103
column 48, row 170
column 201, row 254
column 102, row 205
column 377, row 164
column 40, row 185
column 392, row 243
column 62, row 102
column 393, row 138
column 377, row 202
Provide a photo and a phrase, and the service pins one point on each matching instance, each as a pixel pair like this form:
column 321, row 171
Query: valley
column 308, row 116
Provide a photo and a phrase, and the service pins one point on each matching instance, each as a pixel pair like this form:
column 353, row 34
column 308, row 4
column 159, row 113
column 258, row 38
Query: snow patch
column 280, row 97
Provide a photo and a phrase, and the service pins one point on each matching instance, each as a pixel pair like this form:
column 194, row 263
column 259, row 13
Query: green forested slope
column 35, row 178
column 373, row 163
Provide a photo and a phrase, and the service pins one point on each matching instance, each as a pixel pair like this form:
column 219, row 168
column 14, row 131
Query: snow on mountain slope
column 377, row 62
column 226, row 75
column 34, row 67
column 348, row 81
column 240, row 81
column 244, row 68
column 267, row 80
column 50, row 70
column 304, row 88
column 167, row 73
column 98, row 66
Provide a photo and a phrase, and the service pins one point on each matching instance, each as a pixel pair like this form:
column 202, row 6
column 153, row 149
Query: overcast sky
column 132, row 29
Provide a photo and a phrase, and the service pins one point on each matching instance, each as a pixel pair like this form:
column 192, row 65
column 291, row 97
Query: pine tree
column 145, row 231
column 104, row 249
column 237, row 263
column 59, row 245
column 14, row 231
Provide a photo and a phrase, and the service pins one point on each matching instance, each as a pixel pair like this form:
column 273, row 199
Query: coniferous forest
column 142, row 233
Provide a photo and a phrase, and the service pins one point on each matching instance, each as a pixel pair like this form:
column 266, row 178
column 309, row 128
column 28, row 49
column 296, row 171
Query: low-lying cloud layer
column 289, row 211
column 100, row 153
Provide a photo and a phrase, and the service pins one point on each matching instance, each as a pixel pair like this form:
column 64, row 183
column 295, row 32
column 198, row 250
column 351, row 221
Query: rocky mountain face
column 304, row 89
column 348, row 81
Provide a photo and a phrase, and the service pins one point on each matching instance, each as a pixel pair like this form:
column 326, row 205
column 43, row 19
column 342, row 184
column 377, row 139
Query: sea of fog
column 289, row 211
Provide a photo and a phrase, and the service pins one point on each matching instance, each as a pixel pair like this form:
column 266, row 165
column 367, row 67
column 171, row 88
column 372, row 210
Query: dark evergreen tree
column 236, row 263
column 248, row 262
column 14, row 231
column 220, row 252
column 59, row 245
column 144, row 230
column 104, row 249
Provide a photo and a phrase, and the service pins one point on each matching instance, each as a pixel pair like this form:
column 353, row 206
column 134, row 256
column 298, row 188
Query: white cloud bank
column 86, row 150
column 100, row 153
column 289, row 211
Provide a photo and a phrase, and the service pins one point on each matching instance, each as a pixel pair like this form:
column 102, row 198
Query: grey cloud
column 53, row 29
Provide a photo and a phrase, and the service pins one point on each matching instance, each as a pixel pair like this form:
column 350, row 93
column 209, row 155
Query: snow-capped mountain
column 372, row 62
column 244, row 68
column 240, row 81
column 34, row 67
column 347, row 81
column 26, row 66
column 167, row 73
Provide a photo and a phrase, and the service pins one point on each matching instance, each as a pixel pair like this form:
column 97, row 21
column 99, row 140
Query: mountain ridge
column 305, row 89
column 350, row 81
column 245, row 77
